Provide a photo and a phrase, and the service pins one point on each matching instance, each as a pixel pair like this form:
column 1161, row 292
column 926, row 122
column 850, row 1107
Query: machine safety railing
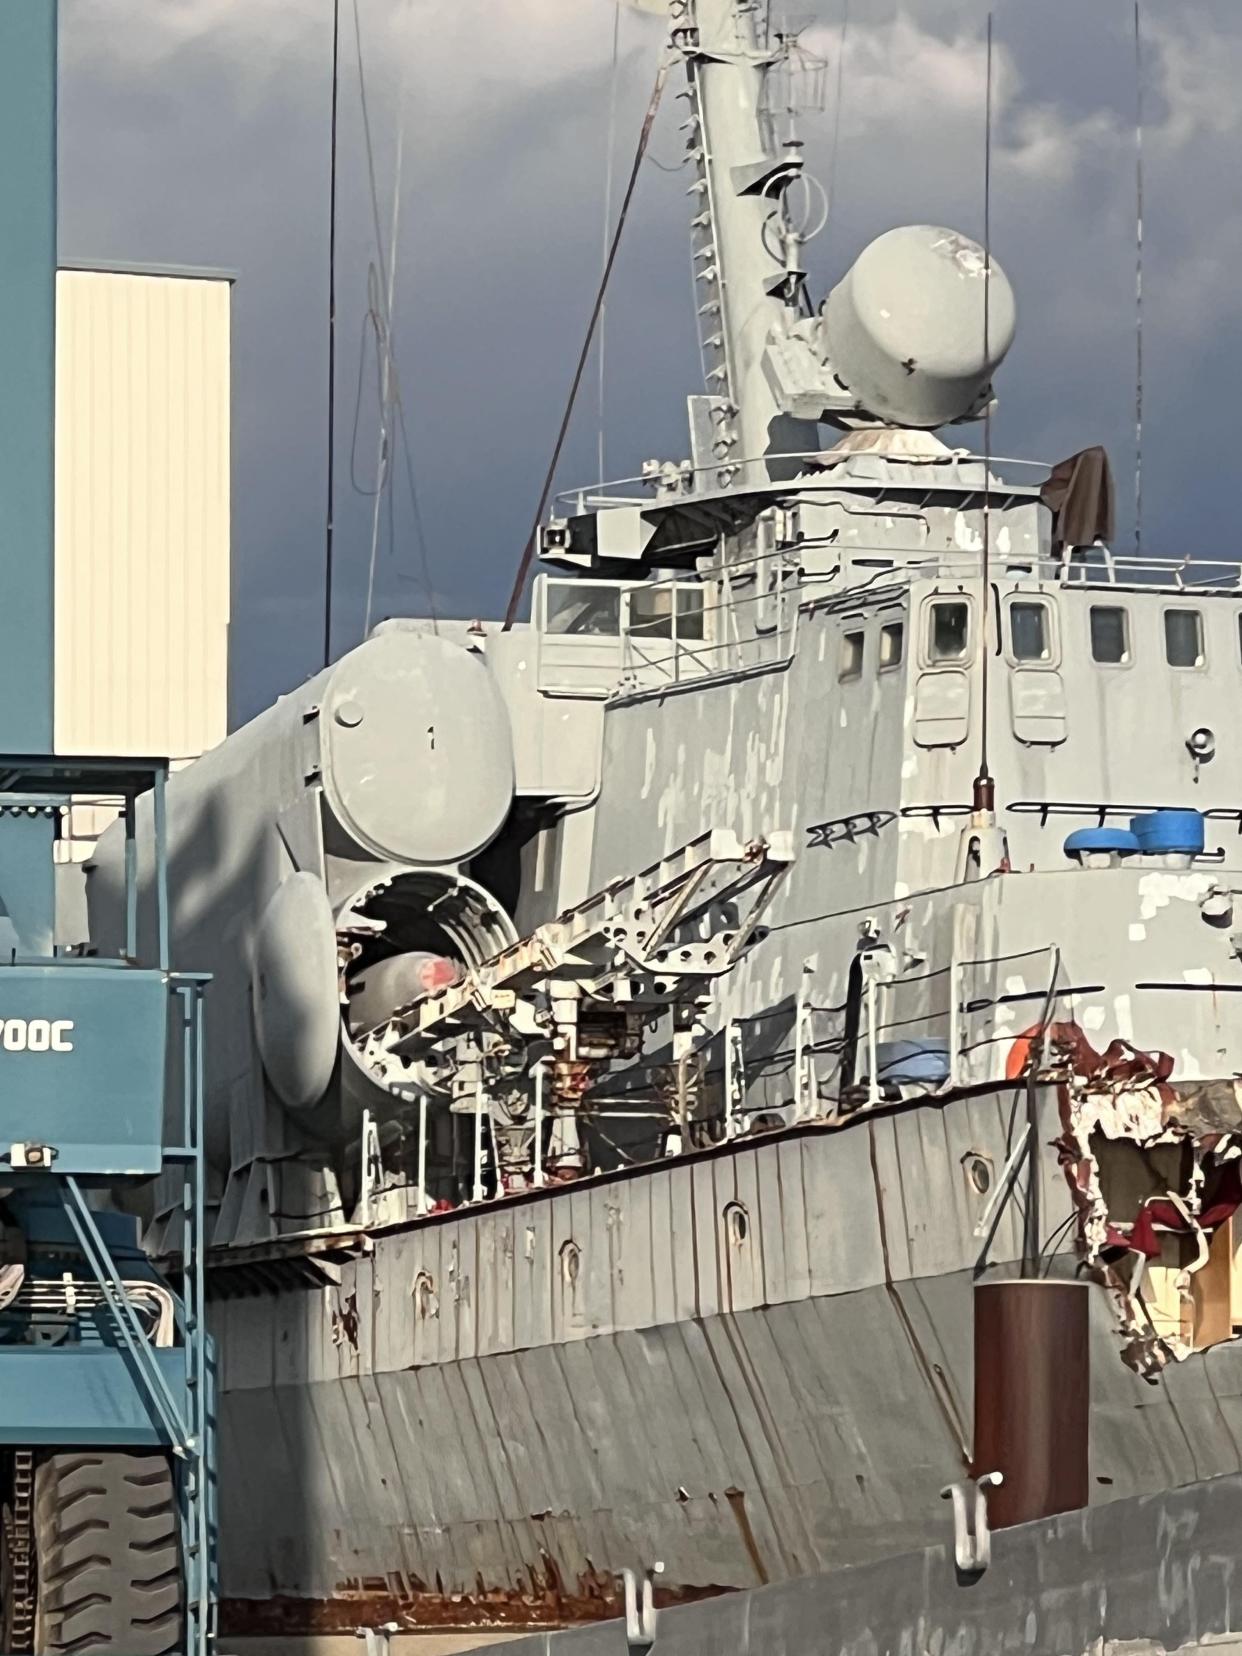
column 740, row 618
column 626, row 637
column 618, row 638
column 679, row 479
column 835, row 1058
column 1077, row 567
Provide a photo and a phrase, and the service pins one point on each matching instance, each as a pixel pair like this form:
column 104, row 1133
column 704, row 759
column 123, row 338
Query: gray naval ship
column 635, row 1030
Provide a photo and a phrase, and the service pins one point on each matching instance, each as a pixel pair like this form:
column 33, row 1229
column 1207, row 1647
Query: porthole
column 1030, row 631
column 1183, row 638
column 426, row 1300
column 571, row 1261
column 892, row 644
column 737, row 1221
column 1110, row 634
column 853, row 645
column 978, row 1169
column 948, row 631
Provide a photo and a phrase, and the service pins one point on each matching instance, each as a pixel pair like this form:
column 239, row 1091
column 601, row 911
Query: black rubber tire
column 108, row 1554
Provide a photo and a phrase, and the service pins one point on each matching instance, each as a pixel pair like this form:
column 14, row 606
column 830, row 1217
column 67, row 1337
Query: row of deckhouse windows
column 1029, row 636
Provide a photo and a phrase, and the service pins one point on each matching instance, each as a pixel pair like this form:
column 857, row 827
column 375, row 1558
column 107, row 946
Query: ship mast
column 746, row 246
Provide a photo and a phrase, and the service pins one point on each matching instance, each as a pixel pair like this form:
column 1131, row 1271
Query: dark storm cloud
column 195, row 131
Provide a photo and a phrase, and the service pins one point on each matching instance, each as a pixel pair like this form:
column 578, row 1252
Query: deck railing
column 742, row 615
column 971, row 1006
column 742, row 619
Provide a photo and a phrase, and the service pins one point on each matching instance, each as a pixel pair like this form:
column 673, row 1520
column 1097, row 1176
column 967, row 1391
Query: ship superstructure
column 634, row 1030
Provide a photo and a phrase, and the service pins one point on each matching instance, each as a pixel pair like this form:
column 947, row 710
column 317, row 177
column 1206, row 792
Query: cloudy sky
column 195, row 132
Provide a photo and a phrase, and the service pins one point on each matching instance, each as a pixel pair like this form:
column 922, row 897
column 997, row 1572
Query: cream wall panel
column 142, row 513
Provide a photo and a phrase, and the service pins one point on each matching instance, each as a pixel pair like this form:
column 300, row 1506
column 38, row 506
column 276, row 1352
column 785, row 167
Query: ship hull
column 1145, row 1577
column 750, row 1364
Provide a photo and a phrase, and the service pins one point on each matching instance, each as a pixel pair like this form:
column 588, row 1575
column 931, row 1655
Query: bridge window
column 1183, row 638
column 652, row 609
column 583, row 607
column 949, row 631
column 892, row 644
column 1030, row 632
column 690, row 612
column 1110, row 634
column 852, row 646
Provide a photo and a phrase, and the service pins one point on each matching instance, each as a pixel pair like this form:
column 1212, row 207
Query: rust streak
column 943, row 1401
column 737, row 1505
column 544, row 1601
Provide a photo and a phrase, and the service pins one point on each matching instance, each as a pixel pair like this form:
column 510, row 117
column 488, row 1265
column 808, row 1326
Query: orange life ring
column 1020, row 1052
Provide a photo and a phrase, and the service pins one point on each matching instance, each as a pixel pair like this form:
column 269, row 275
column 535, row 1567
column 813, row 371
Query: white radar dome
column 904, row 330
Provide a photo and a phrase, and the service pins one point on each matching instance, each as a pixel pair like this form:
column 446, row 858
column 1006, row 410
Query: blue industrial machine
column 105, row 1458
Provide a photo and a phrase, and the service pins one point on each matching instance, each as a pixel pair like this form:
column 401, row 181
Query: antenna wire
column 331, row 457
column 838, row 99
column 609, row 163
column 528, row 552
column 985, row 788
column 1138, row 282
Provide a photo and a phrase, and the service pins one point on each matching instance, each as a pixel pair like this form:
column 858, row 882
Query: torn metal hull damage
column 1155, row 1170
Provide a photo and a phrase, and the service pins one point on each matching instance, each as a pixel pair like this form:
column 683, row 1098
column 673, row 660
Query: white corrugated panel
column 142, row 513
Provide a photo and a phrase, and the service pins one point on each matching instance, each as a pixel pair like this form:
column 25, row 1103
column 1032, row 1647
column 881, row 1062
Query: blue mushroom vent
column 1174, row 831
column 1118, row 840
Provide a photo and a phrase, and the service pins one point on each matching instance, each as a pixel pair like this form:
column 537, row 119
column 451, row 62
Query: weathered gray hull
column 1142, row 1577
column 496, row 1411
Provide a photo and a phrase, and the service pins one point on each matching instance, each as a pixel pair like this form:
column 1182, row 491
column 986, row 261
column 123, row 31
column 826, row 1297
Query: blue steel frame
column 83, row 1058
column 117, row 1390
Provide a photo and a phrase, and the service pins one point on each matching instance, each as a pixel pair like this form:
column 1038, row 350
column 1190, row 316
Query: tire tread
column 109, row 1566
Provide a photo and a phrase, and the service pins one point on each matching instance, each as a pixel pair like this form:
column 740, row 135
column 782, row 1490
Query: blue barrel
column 920, row 1061
column 1179, row 832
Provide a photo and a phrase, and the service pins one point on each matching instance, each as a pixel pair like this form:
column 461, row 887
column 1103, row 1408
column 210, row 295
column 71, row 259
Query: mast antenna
column 838, row 98
column 984, row 798
column 331, row 456
column 528, row 551
column 609, row 163
column 1138, row 282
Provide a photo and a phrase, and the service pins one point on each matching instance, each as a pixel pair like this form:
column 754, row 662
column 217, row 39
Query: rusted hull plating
column 751, row 1365
column 1136, row 1578
column 413, row 1607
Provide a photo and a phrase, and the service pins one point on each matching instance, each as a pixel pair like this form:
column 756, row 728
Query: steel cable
column 528, row 553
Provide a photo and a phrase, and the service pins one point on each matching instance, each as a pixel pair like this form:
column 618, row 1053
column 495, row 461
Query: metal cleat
column 377, row 1641
column 641, row 1615
column 972, row 1539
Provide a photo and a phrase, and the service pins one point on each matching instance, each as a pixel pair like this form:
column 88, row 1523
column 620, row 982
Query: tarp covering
column 1079, row 494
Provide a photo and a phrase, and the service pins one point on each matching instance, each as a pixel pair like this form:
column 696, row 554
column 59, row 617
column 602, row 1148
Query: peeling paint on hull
column 1148, row 1577
column 490, row 1407
column 547, row 1603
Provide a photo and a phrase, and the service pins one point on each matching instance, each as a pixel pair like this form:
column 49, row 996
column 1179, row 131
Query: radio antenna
column 1138, row 282
column 331, row 457
column 984, row 794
